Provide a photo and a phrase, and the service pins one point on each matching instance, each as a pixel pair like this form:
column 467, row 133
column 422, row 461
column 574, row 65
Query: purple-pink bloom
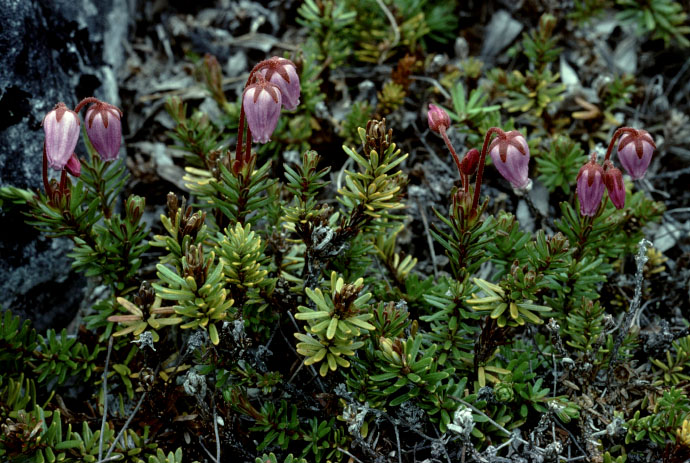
column 73, row 166
column 261, row 102
column 635, row 151
column 61, row 127
column 438, row 119
column 510, row 154
column 613, row 179
column 104, row 129
column 283, row 73
column 590, row 186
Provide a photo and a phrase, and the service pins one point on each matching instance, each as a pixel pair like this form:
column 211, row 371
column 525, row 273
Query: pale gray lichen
column 145, row 340
column 463, row 422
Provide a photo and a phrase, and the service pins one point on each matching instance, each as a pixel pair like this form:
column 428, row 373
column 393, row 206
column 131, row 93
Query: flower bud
column 468, row 165
column 438, row 119
column 635, row 151
column 613, row 179
column 590, row 186
column 104, row 129
column 261, row 102
column 61, row 127
column 73, row 166
column 510, row 154
column 283, row 73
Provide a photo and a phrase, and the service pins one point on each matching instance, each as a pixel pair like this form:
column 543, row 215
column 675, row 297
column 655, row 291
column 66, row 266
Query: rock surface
column 53, row 50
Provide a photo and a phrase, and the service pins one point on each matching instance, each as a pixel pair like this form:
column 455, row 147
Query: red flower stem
column 240, row 133
column 480, row 169
column 248, row 149
column 442, row 131
column 240, row 128
column 46, row 184
column 84, row 102
column 63, row 181
column 615, row 137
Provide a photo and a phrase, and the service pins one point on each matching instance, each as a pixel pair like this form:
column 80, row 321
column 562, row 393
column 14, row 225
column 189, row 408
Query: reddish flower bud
column 61, row 127
column 590, row 186
column 510, row 154
column 283, row 73
column 635, row 151
column 261, row 102
column 104, row 129
column 438, row 119
column 468, row 165
column 613, row 179
column 73, row 166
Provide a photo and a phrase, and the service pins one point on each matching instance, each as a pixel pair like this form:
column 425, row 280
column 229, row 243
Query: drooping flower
column 283, row 73
column 61, row 127
column 261, row 102
column 590, row 186
column 635, row 151
column 104, row 129
column 73, row 166
column 613, row 179
column 438, row 119
column 510, row 154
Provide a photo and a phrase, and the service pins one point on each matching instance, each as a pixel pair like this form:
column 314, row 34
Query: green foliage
column 668, row 413
column 55, row 356
column 406, row 371
column 198, row 292
column 271, row 458
column 675, row 369
column 336, row 322
column 504, row 307
column 328, row 23
column 559, row 167
column 664, row 19
column 195, row 135
column 539, row 46
column 374, row 191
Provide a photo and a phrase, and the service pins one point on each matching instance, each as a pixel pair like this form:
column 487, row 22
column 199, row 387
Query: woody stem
column 46, row 184
column 442, row 130
column 480, row 168
column 615, row 137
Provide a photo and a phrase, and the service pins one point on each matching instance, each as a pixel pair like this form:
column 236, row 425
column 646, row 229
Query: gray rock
column 500, row 33
column 53, row 50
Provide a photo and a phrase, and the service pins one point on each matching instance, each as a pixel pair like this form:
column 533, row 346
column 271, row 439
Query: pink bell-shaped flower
column 261, row 102
column 590, row 186
column 438, row 119
column 73, row 166
column 635, row 151
column 613, row 179
column 510, row 154
column 283, row 73
column 61, row 127
column 104, row 129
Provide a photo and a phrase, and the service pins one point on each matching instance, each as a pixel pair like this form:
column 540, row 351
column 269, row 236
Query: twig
column 350, row 455
column 435, row 83
column 207, row 452
column 397, row 438
column 429, row 241
column 215, row 429
column 124, row 428
column 105, row 397
column 624, row 328
column 394, row 25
